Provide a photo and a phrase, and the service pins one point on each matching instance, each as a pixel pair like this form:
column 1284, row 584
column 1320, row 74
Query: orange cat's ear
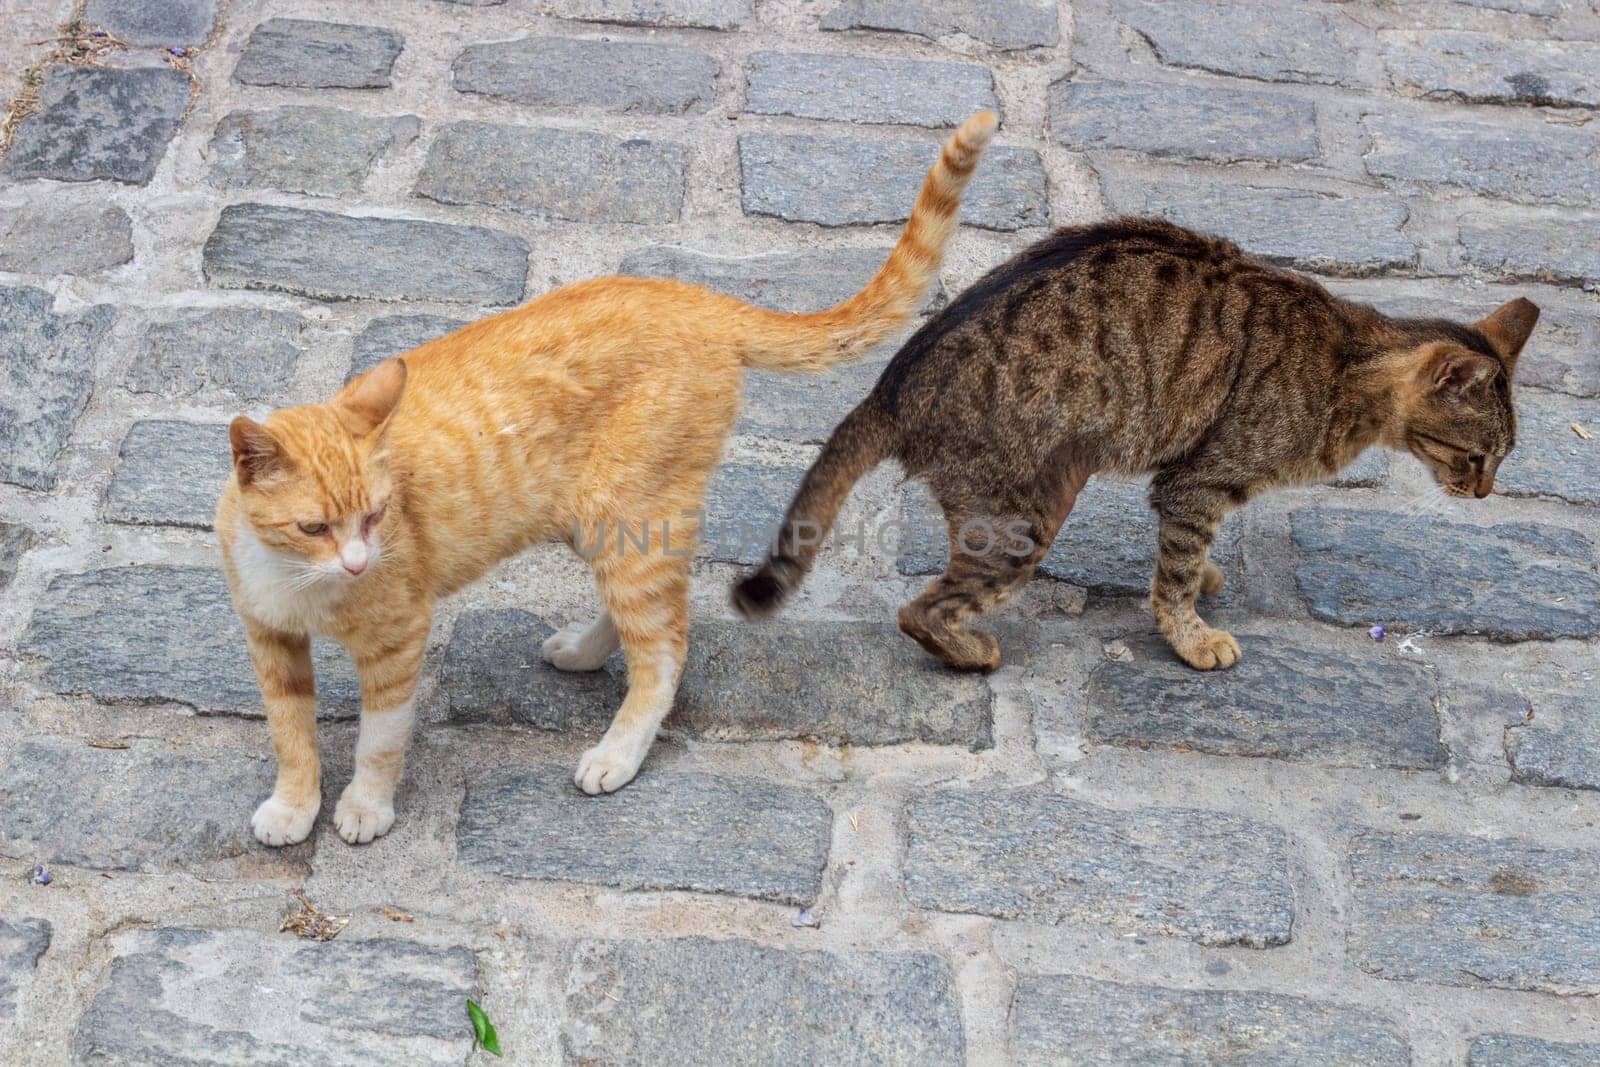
column 372, row 398
column 1455, row 371
column 256, row 453
column 1508, row 327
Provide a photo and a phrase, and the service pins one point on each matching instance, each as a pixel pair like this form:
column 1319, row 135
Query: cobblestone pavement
column 1341, row 851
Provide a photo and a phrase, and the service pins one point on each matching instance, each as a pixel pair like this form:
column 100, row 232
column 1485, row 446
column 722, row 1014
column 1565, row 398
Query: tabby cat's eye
column 313, row 529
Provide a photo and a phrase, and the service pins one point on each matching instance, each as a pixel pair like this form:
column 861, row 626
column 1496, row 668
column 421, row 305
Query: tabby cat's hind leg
column 1189, row 521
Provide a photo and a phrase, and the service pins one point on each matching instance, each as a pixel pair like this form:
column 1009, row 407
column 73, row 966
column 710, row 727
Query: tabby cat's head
column 1459, row 419
column 314, row 481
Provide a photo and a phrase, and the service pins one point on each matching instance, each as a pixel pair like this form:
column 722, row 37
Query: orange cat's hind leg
column 582, row 647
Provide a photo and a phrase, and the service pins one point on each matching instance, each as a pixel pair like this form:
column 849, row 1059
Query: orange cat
column 599, row 405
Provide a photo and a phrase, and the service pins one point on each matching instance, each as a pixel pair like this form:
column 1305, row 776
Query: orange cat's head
column 314, row 481
column 1459, row 419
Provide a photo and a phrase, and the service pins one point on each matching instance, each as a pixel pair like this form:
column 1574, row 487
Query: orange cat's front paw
column 611, row 764
column 360, row 818
column 1209, row 650
column 278, row 823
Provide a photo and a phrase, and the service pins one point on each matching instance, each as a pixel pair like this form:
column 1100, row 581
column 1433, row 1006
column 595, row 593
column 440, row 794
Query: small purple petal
column 1377, row 632
column 40, row 875
column 805, row 918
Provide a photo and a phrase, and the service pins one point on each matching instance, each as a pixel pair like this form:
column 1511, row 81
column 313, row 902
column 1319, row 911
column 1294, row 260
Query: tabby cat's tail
column 813, row 342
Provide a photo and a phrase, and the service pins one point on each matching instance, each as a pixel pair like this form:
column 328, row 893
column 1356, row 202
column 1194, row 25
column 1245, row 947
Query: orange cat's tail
column 816, row 341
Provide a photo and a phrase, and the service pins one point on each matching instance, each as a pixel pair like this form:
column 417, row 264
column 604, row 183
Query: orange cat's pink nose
column 354, row 567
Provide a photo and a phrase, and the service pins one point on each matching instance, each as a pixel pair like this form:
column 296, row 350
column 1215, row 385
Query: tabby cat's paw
column 278, row 823
column 1211, row 579
column 1211, row 650
column 610, row 765
column 576, row 648
column 360, row 818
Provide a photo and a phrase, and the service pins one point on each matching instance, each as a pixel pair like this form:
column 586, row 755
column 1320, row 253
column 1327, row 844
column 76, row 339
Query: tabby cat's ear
column 1508, row 327
column 374, row 396
column 256, row 453
column 1455, row 371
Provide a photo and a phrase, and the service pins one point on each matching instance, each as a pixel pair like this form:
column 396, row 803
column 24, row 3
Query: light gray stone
column 1065, row 1020
column 15, row 539
column 22, row 942
column 1514, row 1050
column 1289, row 698
column 323, row 151
column 176, row 994
column 700, row 14
column 99, row 123
column 1511, row 582
column 46, row 373
column 170, row 473
column 1559, row 247
column 1183, row 120
column 1491, row 68
column 1294, row 45
column 1370, row 470
column 158, row 633
column 1210, row 877
column 227, row 353
column 1519, row 159
column 341, row 257
column 1550, row 458
column 867, row 88
column 563, row 174
column 394, row 335
column 154, row 22
column 1559, row 747
column 49, row 238
column 623, row 76
column 1537, row 8
column 773, row 1006
column 318, row 55
column 1356, row 234
column 695, row 832
column 846, row 181
column 1469, row 911
column 806, row 407
column 1007, row 24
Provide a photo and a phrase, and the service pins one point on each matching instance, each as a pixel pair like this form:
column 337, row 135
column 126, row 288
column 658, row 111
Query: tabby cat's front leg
column 283, row 667
column 1188, row 525
column 388, row 665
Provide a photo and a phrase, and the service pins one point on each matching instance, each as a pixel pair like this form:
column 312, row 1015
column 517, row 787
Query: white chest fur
column 283, row 593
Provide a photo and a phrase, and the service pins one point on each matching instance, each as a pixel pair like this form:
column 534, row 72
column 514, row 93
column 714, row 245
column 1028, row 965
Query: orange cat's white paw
column 360, row 818
column 278, row 823
column 610, row 765
column 580, row 647
column 1210, row 650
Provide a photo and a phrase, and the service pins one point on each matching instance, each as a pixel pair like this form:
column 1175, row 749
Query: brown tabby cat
column 597, row 410
column 1135, row 346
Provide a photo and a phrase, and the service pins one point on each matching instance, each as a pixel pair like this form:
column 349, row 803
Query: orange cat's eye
column 313, row 529
column 374, row 518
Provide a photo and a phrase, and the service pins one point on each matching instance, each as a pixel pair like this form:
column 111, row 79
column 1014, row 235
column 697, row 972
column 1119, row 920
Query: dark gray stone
column 1513, row 1050
column 340, row 257
column 149, row 807
column 744, row 508
column 1519, row 159
column 1007, row 24
column 1354, row 235
column 700, row 14
column 846, row 181
column 154, row 22
column 318, row 55
column 1370, row 470
column 1295, row 45
column 772, row 1006
column 1107, row 545
column 1512, row 582
column 232, row 353
column 100, row 122
column 806, row 407
column 1065, row 1020
column 65, row 239
column 170, row 473
column 562, row 174
column 867, row 88
column 1559, row 747
column 1304, row 701
column 1491, row 68
column 1469, row 911
column 493, row 671
column 1562, row 248
column 46, row 373
column 323, row 151
column 1210, row 877
column 1183, row 120
column 1550, row 458
column 624, row 76
column 1537, row 8
column 394, row 335
column 692, row 832
column 22, row 942
column 156, row 633
column 172, row 995
column 14, row 541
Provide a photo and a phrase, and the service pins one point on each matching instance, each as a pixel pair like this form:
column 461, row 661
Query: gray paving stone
column 1357, row 234
column 1289, row 698
column 323, row 151
column 1183, row 120
column 158, row 633
column 564, row 174
column 866, row 88
column 773, row 1006
column 624, row 76
column 154, row 22
column 1511, row 582
column 341, row 257
column 1370, row 470
column 173, row 994
column 46, row 373
column 1006, row 24
column 1065, row 1020
column 1213, row 878
column 1539, row 8
column 845, row 181
column 493, row 672
column 99, row 123
column 1491, row 68
column 233, row 353
column 806, row 407
column 745, row 505
column 1295, row 45
column 22, row 942
column 1514, row 1050
column 49, row 238
column 1107, row 545
column 1550, row 459
column 1516, row 158
column 1560, row 747
column 695, row 832
column 150, row 807
column 169, row 473
column 701, row 14
column 394, row 335
column 15, row 539
column 1468, row 911
column 1562, row 248
column 319, row 55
